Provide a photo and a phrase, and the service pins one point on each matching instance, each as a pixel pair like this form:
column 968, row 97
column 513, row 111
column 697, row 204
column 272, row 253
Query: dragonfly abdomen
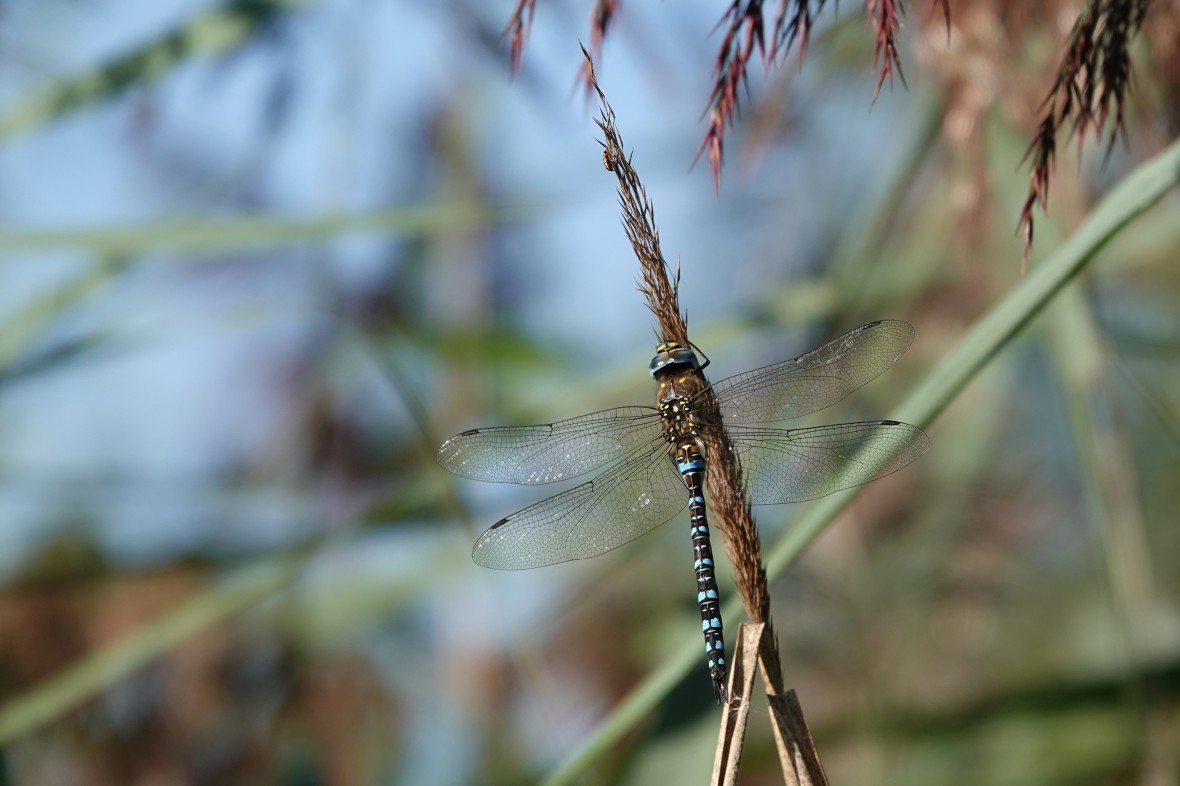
column 691, row 465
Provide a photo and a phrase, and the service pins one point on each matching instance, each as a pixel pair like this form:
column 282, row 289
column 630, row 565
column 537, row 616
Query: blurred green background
column 259, row 258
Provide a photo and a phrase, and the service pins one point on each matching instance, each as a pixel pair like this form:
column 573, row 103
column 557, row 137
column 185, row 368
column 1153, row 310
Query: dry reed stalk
column 725, row 483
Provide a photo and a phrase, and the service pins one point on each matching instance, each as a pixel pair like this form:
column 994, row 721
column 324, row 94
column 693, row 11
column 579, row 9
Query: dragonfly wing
column 792, row 465
column 635, row 496
column 551, row 452
column 816, row 380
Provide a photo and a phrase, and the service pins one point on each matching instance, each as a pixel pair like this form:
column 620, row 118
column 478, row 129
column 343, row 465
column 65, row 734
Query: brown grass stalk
column 724, row 481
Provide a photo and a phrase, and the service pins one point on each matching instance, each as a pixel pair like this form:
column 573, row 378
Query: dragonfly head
column 672, row 357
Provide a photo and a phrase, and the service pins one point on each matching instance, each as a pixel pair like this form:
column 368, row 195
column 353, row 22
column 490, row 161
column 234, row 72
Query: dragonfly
column 653, row 458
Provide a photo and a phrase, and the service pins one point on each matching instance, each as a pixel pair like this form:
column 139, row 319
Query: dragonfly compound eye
column 672, row 359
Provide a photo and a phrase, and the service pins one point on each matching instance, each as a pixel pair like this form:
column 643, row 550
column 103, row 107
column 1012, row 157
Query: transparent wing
column 556, row 451
column 792, row 465
column 816, row 380
column 634, row 497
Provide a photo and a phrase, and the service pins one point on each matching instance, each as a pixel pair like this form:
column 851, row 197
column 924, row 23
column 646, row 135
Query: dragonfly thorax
column 680, row 419
column 680, row 382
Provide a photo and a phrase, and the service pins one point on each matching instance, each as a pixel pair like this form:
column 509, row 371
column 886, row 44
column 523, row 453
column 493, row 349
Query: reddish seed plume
column 517, row 31
column 604, row 13
column 745, row 29
column 1093, row 80
column 744, row 22
column 885, row 17
column 793, row 23
column 602, row 16
column 1041, row 152
column 713, row 142
column 744, row 32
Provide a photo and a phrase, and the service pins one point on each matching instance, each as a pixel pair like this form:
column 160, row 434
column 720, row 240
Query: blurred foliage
column 288, row 598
